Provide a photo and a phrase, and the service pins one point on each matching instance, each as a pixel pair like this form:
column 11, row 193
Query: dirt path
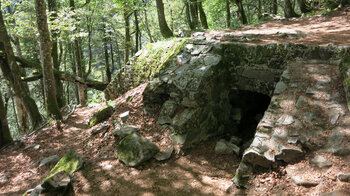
column 317, row 31
column 196, row 172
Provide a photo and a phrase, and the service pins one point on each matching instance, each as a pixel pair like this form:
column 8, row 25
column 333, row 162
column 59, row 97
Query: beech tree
column 163, row 26
column 240, row 12
column 46, row 60
column 11, row 72
column 289, row 10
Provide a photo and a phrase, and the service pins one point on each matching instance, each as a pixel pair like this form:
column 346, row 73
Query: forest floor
column 198, row 171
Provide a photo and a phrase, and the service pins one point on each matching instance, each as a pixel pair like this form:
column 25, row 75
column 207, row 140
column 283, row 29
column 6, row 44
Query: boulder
column 344, row 177
column 124, row 116
column 165, row 154
column 101, row 115
column 100, row 129
column 125, row 131
column 48, row 160
column 298, row 180
column 59, row 184
column 321, row 162
column 225, row 147
column 58, row 181
column 242, row 174
column 70, row 163
column 136, row 149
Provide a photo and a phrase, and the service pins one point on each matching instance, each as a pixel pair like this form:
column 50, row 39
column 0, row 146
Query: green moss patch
column 70, row 162
column 100, row 116
column 145, row 66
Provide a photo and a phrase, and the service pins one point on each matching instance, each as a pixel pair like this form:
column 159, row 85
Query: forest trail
column 198, row 171
column 333, row 28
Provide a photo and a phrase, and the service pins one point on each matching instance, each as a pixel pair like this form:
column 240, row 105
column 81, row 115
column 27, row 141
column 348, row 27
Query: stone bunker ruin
column 228, row 88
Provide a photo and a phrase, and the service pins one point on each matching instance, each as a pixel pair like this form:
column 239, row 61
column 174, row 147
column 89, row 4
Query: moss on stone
column 101, row 115
column 70, row 162
column 153, row 58
column 127, row 152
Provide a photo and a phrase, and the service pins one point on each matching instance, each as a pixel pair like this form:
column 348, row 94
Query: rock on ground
column 136, row 149
column 101, row 115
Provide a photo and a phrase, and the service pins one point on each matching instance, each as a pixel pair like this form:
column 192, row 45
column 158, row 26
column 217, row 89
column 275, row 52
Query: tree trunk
column 46, row 60
column 188, row 16
column 202, row 15
column 194, row 13
column 228, row 14
column 21, row 111
column 241, row 13
column 89, row 27
column 259, row 9
column 275, row 7
column 303, row 7
column 164, row 28
column 127, row 36
column 146, row 23
column 288, row 10
column 11, row 73
column 118, row 53
column 79, row 69
column 108, row 71
column 5, row 135
column 112, row 52
column 54, row 53
column 137, row 31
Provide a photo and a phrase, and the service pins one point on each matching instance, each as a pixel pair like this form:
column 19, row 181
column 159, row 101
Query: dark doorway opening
column 247, row 110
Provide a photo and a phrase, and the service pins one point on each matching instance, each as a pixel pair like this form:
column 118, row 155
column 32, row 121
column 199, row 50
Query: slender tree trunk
column 137, row 31
column 202, row 15
column 54, row 53
column 188, row 15
column 89, row 27
column 112, row 53
column 164, row 28
column 79, row 68
column 194, row 13
column 108, row 71
column 5, row 135
column 303, row 7
column 21, row 111
column 11, row 72
column 241, row 13
column 127, row 36
column 46, row 60
column 118, row 53
column 288, row 10
column 275, row 7
column 259, row 9
column 228, row 14
column 146, row 23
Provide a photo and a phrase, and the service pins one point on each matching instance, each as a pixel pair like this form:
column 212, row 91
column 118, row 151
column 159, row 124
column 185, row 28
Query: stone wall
column 194, row 89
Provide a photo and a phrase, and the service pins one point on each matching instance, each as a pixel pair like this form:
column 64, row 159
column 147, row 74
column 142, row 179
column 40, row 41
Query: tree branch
column 63, row 75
